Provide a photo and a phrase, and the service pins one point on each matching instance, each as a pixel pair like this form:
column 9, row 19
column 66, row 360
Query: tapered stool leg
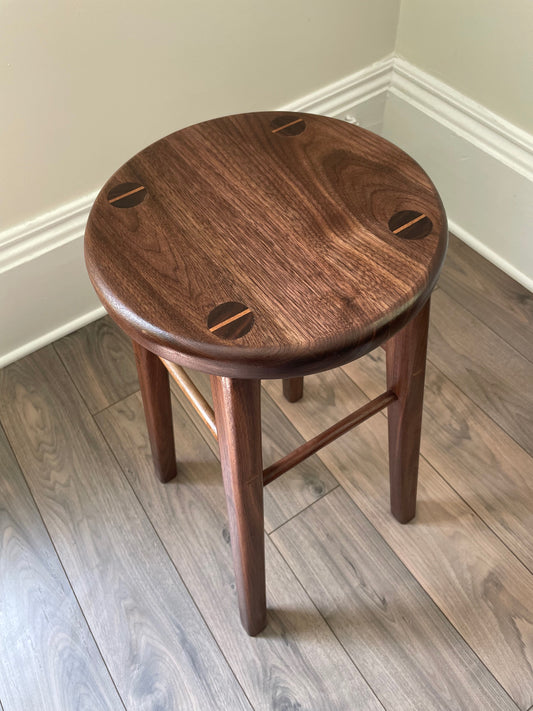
column 155, row 391
column 293, row 388
column 406, row 367
column 237, row 405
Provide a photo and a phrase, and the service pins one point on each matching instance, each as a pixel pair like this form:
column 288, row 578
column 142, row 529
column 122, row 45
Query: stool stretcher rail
column 194, row 396
column 332, row 433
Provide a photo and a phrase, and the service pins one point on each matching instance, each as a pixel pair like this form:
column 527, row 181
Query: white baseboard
column 51, row 336
column 30, row 240
column 360, row 96
column 490, row 254
column 482, row 165
column 482, row 128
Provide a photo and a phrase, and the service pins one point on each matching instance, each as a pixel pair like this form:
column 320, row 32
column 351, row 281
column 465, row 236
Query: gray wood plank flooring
column 47, row 653
column 117, row 591
column 155, row 644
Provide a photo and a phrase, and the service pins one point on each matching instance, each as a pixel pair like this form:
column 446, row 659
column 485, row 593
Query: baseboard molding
column 41, row 262
column 51, row 336
column 357, row 91
column 30, row 240
column 481, row 164
column 490, row 255
column 491, row 133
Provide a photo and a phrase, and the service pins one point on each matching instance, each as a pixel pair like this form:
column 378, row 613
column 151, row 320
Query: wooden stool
column 270, row 245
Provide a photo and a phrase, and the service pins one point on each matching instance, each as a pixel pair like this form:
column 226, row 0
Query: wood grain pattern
column 486, row 593
column 237, row 213
column 237, row 405
column 498, row 301
column 293, row 389
column 487, row 468
column 296, row 660
column 389, row 625
column 149, row 632
column 99, row 358
column 155, row 391
column 406, row 368
column 48, row 657
column 484, row 367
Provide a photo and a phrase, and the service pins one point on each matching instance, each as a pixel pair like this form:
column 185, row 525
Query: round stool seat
column 266, row 245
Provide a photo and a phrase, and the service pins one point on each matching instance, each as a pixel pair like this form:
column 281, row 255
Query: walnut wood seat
column 270, row 245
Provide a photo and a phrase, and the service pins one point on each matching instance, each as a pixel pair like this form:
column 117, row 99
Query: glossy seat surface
column 266, row 244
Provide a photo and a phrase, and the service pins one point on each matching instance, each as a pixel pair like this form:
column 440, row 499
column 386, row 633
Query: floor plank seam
column 312, row 503
column 478, row 515
column 67, row 578
column 327, row 623
column 65, row 367
column 487, row 325
column 477, row 405
column 112, row 404
column 443, row 477
column 427, row 594
column 103, row 409
column 173, row 564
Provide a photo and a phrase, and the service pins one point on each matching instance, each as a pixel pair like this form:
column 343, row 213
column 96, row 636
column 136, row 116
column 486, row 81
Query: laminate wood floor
column 117, row 592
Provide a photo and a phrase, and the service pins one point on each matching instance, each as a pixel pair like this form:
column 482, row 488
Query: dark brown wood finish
column 155, row 391
column 406, row 368
column 286, row 215
column 293, row 389
column 238, row 419
column 261, row 246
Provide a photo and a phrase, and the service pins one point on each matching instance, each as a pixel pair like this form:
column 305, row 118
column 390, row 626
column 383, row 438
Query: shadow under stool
column 270, row 245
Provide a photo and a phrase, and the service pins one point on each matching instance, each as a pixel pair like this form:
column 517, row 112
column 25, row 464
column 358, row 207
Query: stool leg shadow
column 155, row 391
column 406, row 367
column 237, row 405
column 293, row 389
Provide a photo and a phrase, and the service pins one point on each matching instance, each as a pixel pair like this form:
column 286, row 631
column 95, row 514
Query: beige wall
column 84, row 85
column 482, row 48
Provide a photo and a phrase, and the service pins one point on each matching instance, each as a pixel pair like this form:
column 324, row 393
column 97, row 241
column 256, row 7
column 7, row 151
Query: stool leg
column 155, row 391
column 237, row 406
column 293, row 388
column 406, row 367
